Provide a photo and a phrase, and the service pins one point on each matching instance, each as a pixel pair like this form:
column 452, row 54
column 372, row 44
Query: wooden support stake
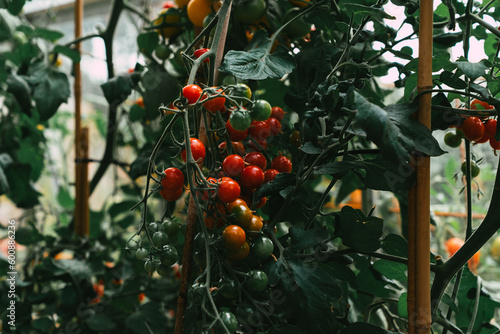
column 81, row 143
column 419, row 297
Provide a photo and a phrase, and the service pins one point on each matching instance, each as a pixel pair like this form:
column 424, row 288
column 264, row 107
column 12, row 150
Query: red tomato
column 209, row 194
column 494, row 144
column 171, row 194
column 173, row 179
column 168, row 4
column 263, row 145
column 237, row 146
column 260, row 130
column 214, row 104
column 229, row 190
column 234, row 134
column 275, row 125
column 482, row 105
column 199, row 52
column 483, row 139
column 473, row 128
column 192, row 93
column 270, row 174
column 282, row 164
column 490, row 128
column 256, row 158
column 252, row 177
column 278, row 113
column 233, row 165
column 197, row 150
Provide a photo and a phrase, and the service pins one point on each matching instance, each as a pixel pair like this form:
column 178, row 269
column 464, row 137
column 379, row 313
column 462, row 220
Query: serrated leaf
column 393, row 131
column 50, row 91
column 68, row 52
column 256, row 63
column 375, row 12
column 361, row 234
column 472, row 70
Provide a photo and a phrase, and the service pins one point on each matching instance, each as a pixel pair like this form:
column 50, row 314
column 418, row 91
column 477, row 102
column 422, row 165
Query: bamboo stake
column 81, row 183
column 419, row 297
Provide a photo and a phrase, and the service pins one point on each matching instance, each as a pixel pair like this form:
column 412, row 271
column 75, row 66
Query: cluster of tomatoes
column 477, row 130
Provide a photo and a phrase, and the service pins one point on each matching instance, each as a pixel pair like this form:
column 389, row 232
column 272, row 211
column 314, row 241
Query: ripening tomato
column 252, row 177
column 249, row 11
column 233, row 165
column 197, row 10
column 192, row 93
column 171, row 194
column 242, row 90
column 214, row 104
column 255, row 225
column 168, row 15
column 490, row 128
column 256, row 158
column 278, row 113
column 229, row 190
column 236, row 135
column 173, row 179
column 282, row 164
column 199, row 52
column 473, row 128
column 234, row 237
column 275, row 125
column 242, row 215
column 238, row 201
column 237, row 146
column 197, row 150
column 261, row 110
column 260, row 130
column 454, row 244
column 239, row 254
column 240, row 120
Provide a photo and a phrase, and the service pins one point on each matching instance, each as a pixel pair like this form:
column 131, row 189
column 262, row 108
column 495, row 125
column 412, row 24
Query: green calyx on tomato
column 240, row 120
column 250, row 11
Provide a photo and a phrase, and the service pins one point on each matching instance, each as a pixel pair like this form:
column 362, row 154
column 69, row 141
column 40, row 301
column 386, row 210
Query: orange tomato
column 197, row 10
column 454, row 244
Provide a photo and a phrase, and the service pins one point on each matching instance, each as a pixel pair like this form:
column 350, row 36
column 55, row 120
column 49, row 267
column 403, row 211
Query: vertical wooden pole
column 419, row 297
column 81, row 173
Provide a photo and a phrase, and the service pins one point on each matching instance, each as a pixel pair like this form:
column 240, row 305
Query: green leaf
column 442, row 120
column 120, row 208
column 256, row 63
column 309, row 148
column 303, row 239
column 5, row 161
column 452, row 79
column 50, row 91
column 51, row 35
column 148, row 319
column 64, row 198
column 338, row 167
column 101, row 322
column 16, row 6
column 375, row 12
column 393, row 131
column 363, row 327
column 403, row 305
column 391, row 270
column 439, row 62
column 160, row 89
column 472, row 70
column 117, row 89
column 136, row 113
column 8, row 24
column 28, row 235
column 359, row 232
column 395, row 244
column 450, row 302
column 43, row 324
column 78, row 269
column 147, row 42
column 68, row 52
column 281, row 182
column 18, row 176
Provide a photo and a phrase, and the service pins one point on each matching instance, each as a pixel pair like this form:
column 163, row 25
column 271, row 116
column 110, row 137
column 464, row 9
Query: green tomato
column 155, row 227
column 240, row 120
column 169, row 255
column 298, row 28
column 262, row 248
column 141, row 253
column 452, row 139
column 195, row 293
column 228, row 290
column 229, row 320
column 159, row 239
column 246, row 314
column 150, row 266
column 250, row 11
column 474, row 168
column 170, row 227
column 133, row 244
column 261, row 110
column 163, row 270
column 257, row 282
column 242, row 90
column 162, row 51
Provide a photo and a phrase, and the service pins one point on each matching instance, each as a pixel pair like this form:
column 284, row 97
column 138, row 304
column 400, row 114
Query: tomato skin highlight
column 192, row 93
column 215, row 104
column 261, row 110
column 233, row 165
column 256, row 158
column 282, row 164
column 473, row 128
column 252, row 177
column 275, row 126
column 260, row 130
column 278, row 113
column 199, row 52
column 490, row 128
column 234, row 237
